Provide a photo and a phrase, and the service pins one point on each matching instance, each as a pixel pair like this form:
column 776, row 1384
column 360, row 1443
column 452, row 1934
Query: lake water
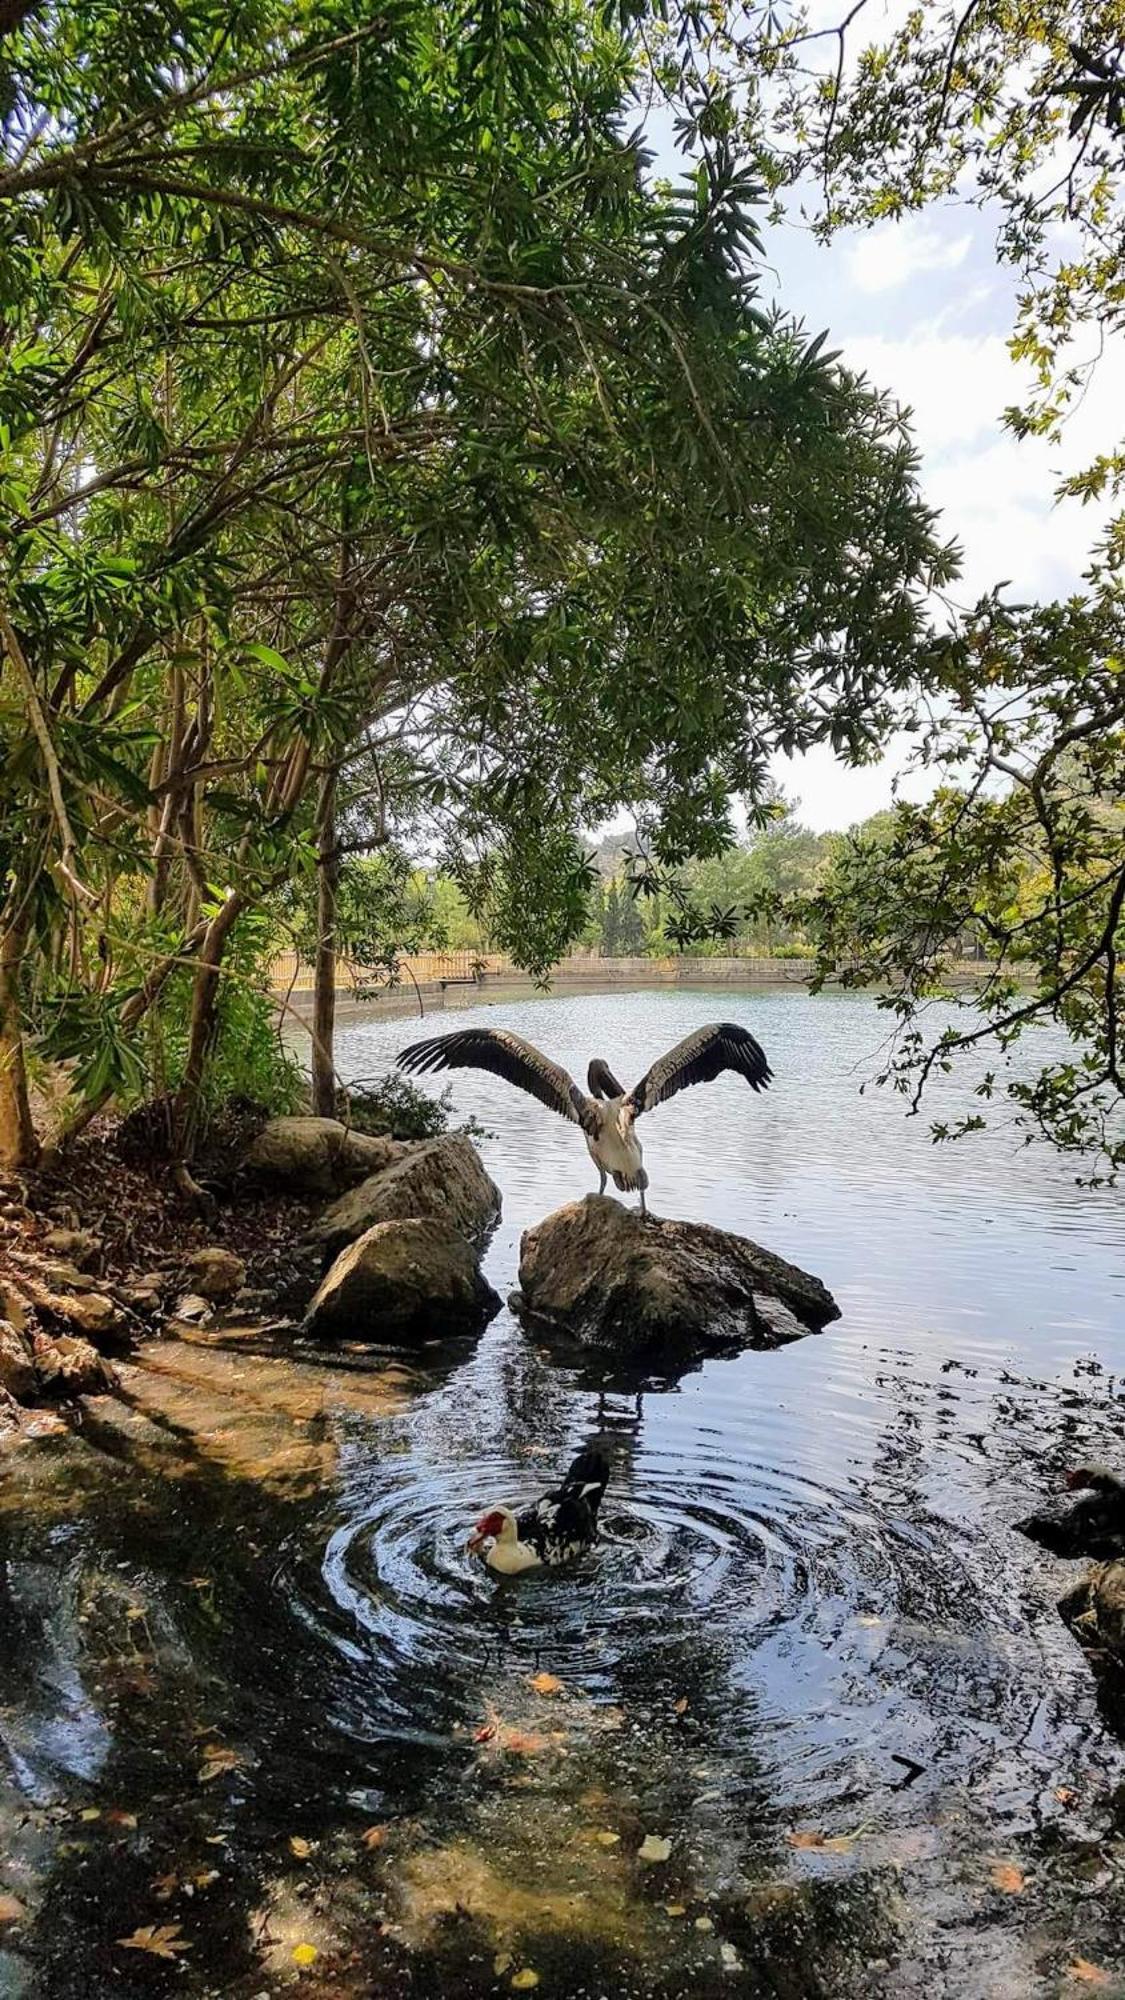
column 810, row 1653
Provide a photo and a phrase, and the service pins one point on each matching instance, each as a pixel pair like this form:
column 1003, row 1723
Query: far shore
column 576, row 975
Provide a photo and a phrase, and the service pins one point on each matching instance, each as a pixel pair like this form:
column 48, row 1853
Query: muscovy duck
column 1094, row 1526
column 560, row 1526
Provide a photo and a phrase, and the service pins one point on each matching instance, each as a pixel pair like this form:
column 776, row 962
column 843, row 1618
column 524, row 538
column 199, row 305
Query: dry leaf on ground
column 216, row 1760
column 605, row 1838
column 160, row 1940
column 374, row 1837
column 826, row 1843
column 523, row 1982
column 1004, row 1875
column 11, row 1909
column 545, row 1684
column 299, row 1846
column 654, row 1848
column 1087, row 1973
column 305, row 1954
column 680, row 1707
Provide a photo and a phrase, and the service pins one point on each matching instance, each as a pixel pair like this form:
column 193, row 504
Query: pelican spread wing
column 505, row 1055
column 699, row 1058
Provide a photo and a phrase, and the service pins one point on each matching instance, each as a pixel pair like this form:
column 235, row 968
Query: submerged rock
column 1095, row 1611
column 405, row 1280
column 602, row 1274
column 440, row 1178
column 316, row 1155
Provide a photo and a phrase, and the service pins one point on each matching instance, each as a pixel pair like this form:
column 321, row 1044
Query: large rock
column 317, row 1155
column 440, row 1178
column 17, row 1370
column 601, row 1274
column 407, row 1280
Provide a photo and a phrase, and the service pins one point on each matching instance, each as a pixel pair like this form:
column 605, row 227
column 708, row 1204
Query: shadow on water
column 805, row 1724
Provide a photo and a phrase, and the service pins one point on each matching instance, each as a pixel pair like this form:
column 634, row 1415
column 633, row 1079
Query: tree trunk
column 19, row 1146
column 205, row 992
column 324, row 1007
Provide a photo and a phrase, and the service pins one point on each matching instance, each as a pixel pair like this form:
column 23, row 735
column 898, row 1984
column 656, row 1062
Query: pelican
column 607, row 1114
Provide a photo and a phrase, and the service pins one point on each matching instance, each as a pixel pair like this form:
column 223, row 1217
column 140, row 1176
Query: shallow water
column 809, row 1652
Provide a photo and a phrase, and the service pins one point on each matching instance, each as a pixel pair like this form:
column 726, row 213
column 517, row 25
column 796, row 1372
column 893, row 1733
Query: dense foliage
column 386, row 452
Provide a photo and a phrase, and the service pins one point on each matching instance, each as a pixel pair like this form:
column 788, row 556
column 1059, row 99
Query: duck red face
column 486, row 1530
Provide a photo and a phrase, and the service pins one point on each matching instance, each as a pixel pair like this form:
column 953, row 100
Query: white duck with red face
column 554, row 1530
column 606, row 1113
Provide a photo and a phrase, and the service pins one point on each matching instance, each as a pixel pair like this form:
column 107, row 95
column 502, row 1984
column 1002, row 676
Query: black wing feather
column 699, row 1058
column 504, row 1055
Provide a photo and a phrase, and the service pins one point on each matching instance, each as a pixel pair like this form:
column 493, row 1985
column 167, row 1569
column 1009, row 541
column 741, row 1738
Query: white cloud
column 892, row 253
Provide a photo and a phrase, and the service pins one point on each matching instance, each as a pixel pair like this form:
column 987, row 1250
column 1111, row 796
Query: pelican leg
column 602, row 1178
column 644, row 1210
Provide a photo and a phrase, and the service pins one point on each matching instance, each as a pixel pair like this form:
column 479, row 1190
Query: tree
column 1020, row 713
column 385, row 448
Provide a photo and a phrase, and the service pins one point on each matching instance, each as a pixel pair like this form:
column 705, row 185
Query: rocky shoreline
column 314, row 1227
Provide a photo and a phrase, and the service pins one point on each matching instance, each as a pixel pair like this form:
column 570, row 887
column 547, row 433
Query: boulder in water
column 406, row 1280
column 316, row 1155
column 601, row 1274
column 442, row 1178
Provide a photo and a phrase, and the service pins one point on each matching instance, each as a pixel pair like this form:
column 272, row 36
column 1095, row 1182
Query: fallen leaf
column 1007, row 1877
column 524, row 1741
column 134, row 1612
column 11, row 1909
column 654, row 1848
column 522, row 1982
column 545, row 1684
column 164, row 1886
column 675, row 1910
column 1089, row 1974
column 681, row 1707
column 502, row 1961
column 304, row 1954
column 704, row 1924
column 300, row 1847
column 90, row 1813
column 204, row 1877
column 216, row 1760
column 375, row 1836
column 160, row 1940
column 605, row 1838
column 834, row 1843
column 117, row 1818
column 485, row 1733
column 215, row 1839
column 1066, row 1797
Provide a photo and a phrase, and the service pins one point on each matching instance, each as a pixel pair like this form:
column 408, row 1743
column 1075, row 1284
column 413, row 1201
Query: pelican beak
column 475, row 1543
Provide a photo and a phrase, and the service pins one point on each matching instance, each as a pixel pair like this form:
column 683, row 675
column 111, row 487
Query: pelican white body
column 615, row 1148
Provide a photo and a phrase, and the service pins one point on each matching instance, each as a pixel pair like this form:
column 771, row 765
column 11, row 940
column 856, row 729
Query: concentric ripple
column 836, row 1638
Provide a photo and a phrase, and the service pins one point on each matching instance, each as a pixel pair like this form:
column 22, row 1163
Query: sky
column 923, row 308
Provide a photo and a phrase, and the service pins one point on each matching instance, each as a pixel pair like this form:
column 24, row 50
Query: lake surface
column 809, row 1653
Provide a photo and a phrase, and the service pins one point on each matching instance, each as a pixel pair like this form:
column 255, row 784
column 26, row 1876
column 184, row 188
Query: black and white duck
column 553, row 1530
